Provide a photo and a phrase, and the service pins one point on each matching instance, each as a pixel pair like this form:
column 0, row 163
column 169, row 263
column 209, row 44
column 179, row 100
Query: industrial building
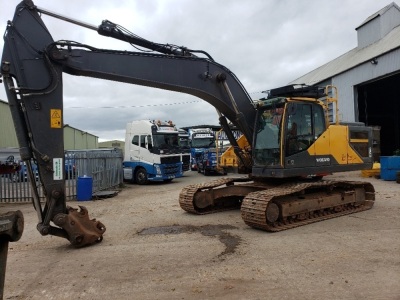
column 368, row 76
column 8, row 138
column 74, row 139
column 113, row 144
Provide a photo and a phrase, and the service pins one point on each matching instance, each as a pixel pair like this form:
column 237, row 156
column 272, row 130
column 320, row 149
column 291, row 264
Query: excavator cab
column 293, row 138
column 285, row 128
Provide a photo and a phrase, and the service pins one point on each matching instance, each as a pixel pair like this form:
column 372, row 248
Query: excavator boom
column 32, row 65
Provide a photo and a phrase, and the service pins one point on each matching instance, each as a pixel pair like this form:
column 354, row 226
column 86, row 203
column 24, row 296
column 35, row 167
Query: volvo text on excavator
column 291, row 135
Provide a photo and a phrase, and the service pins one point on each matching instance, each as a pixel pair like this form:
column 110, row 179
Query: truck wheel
column 141, row 176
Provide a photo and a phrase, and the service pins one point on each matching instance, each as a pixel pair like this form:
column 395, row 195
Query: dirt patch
column 230, row 241
column 153, row 249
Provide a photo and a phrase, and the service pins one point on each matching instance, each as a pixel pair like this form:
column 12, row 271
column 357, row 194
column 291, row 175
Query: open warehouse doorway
column 379, row 105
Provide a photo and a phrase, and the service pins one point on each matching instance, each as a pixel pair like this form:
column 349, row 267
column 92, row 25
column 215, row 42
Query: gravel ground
column 152, row 249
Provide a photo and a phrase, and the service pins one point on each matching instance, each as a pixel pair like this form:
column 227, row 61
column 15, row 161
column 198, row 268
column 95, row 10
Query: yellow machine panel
column 335, row 141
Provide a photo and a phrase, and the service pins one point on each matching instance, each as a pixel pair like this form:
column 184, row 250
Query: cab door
column 144, row 153
column 134, row 149
column 299, row 135
column 320, row 149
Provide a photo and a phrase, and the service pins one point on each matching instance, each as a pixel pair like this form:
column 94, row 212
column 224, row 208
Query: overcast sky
column 266, row 43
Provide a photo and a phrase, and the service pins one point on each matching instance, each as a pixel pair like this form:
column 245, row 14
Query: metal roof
column 378, row 13
column 352, row 59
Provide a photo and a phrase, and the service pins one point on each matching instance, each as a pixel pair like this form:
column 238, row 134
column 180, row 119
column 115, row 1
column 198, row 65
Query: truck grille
column 170, row 159
column 185, row 162
column 171, row 169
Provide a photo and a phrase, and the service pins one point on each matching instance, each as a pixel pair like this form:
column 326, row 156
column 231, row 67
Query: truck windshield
column 267, row 146
column 184, row 142
column 203, row 142
column 165, row 141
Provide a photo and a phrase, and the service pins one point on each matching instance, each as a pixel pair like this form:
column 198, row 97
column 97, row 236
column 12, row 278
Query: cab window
column 149, row 142
column 299, row 129
column 143, row 141
column 319, row 120
column 135, row 140
column 305, row 123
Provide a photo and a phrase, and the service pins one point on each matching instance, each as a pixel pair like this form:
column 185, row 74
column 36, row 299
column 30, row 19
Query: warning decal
column 58, row 169
column 55, row 118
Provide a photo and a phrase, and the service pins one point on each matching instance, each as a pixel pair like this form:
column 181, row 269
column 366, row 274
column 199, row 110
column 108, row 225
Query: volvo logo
column 323, row 159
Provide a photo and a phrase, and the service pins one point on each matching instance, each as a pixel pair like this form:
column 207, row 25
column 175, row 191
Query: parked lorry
column 184, row 138
column 200, row 139
column 207, row 163
column 185, row 149
column 152, row 152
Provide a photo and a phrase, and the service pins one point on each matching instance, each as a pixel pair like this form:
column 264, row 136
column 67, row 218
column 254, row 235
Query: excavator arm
column 32, row 65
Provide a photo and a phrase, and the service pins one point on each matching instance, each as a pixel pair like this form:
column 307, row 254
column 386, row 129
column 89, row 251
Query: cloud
column 266, row 43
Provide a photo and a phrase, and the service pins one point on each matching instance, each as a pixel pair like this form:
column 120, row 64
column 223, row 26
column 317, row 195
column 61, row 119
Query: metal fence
column 103, row 165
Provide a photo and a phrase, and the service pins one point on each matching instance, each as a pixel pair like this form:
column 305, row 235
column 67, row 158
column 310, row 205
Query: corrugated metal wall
column 346, row 82
column 376, row 28
column 73, row 138
column 390, row 21
column 78, row 139
column 113, row 144
column 8, row 137
column 369, row 33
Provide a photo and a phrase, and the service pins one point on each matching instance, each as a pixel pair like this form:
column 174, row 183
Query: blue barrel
column 390, row 165
column 84, row 188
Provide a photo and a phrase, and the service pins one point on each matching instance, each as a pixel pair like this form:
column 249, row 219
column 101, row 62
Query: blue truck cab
column 200, row 139
column 207, row 163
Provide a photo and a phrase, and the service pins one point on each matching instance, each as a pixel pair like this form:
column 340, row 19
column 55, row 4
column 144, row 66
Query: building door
column 379, row 105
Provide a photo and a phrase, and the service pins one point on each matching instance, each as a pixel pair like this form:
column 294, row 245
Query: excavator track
column 277, row 207
column 291, row 205
column 188, row 195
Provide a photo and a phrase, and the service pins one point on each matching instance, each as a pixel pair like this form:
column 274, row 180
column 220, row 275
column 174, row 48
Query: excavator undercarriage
column 275, row 206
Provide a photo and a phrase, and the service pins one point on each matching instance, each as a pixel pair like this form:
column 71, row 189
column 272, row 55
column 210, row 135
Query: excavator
column 293, row 142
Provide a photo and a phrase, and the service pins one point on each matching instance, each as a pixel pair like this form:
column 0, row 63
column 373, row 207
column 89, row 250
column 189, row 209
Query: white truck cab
column 152, row 151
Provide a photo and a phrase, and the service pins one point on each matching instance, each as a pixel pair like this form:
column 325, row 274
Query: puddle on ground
column 230, row 241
